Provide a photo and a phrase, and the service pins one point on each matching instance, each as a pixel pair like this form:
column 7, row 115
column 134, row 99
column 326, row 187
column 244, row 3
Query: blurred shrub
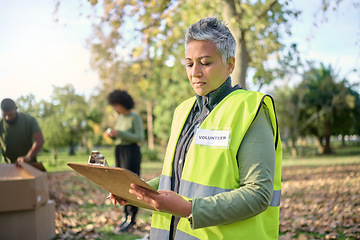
column 150, row 155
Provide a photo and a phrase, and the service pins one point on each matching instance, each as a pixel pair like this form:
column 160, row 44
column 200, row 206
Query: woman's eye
column 189, row 65
column 205, row 63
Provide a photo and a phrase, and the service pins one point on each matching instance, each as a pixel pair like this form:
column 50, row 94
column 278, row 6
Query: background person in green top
column 127, row 133
column 20, row 135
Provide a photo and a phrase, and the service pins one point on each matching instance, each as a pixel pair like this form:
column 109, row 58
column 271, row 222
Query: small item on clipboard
column 108, row 131
column 96, row 158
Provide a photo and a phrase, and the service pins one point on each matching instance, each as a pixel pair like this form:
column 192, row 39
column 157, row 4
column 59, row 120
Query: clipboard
column 115, row 180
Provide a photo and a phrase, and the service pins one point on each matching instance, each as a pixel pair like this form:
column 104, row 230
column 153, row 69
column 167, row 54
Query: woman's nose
column 197, row 70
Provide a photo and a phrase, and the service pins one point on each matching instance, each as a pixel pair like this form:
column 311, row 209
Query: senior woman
column 222, row 168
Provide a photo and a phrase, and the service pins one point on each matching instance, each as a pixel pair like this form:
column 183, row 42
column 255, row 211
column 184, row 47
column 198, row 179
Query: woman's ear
column 230, row 65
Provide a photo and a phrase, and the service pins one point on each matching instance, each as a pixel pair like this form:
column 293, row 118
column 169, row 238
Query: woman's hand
column 111, row 133
column 116, row 199
column 163, row 201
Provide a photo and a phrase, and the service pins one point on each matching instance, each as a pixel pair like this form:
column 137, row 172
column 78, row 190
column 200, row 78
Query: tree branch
column 263, row 12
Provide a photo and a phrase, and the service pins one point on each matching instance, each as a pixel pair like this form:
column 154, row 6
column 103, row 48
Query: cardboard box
column 22, row 188
column 35, row 224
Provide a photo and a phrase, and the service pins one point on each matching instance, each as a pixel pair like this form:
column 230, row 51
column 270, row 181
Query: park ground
column 320, row 199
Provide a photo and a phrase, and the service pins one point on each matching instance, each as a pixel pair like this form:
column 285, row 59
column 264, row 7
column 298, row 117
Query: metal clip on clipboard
column 97, row 159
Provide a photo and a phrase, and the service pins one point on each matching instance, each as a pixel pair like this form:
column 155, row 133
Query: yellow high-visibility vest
column 218, row 138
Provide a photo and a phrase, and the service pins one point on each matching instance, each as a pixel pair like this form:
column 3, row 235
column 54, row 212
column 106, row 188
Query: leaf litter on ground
column 320, row 202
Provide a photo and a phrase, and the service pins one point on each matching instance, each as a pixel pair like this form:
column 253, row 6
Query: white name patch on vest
column 214, row 138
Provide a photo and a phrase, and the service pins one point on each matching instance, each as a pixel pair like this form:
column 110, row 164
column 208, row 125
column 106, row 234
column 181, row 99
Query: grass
column 64, row 158
column 344, row 155
column 83, row 157
column 349, row 154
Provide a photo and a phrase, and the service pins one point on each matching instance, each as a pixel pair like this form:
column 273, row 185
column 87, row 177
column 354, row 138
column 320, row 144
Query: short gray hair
column 213, row 30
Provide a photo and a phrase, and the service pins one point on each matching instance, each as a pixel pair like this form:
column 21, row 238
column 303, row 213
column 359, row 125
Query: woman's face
column 204, row 67
column 120, row 109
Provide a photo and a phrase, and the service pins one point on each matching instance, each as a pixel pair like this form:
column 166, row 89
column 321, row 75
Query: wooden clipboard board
column 115, row 180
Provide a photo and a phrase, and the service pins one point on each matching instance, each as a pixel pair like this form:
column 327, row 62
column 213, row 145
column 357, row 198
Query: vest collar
column 212, row 99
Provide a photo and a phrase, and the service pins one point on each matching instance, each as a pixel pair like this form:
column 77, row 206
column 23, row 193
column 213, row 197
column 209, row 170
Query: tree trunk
column 343, row 141
column 241, row 63
column 232, row 18
column 327, row 148
column 293, row 147
column 150, row 125
column 86, row 144
column 55, row 156
column 319, row 144
column 71, row 148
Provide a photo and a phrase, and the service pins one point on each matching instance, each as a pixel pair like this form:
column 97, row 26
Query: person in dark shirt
column 20, row 135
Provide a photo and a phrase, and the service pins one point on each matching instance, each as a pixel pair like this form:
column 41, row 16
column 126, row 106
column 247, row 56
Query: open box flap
column 10, row 172
column 32, row 170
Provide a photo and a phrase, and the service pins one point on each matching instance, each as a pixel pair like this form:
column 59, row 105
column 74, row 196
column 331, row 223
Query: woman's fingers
column 167, row 201
column 146, row 195
column 116, row 199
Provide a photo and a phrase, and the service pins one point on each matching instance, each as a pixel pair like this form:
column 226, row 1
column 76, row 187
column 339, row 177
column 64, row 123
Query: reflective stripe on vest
column 235, row 113
column 191, row 189
column 156, row 233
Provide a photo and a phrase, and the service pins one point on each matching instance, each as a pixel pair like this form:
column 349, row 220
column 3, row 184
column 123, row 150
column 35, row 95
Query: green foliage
column 27, row 104
column 151, row 155
column 257, row 27
column 320, row 106
column 54, row 134
column 72, row 111
column 326, row 99
column 347, row 118
column 63, row 120
column 139, row 46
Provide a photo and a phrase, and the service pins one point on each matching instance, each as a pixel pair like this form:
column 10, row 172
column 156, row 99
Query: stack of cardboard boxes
column 25, row 209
